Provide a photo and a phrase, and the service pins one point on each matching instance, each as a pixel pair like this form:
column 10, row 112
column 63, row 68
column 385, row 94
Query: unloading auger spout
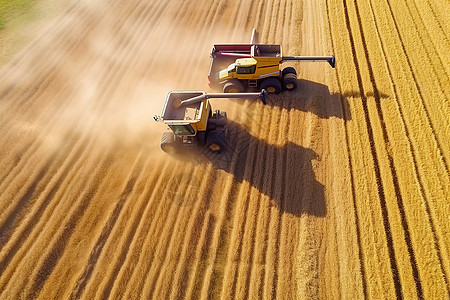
column 262, row 95
column 330, row 59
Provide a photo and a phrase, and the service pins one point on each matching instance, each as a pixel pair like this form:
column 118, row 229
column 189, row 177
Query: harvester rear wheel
column 290, row 83
column 168, row 142
column 215, row 141
column 288, row 70
column 289, row 78
column 233, row 86
column 271, row 85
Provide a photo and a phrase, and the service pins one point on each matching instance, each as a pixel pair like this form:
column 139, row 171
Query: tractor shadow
column 285, row 174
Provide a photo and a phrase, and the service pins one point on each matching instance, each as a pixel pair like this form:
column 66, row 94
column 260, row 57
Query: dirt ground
column 339, row 189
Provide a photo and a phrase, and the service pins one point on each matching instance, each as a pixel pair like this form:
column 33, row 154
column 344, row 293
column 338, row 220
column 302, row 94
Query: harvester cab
column 192, row 123
column 245, row 67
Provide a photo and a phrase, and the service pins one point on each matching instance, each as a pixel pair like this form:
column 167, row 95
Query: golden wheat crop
column 337, row 190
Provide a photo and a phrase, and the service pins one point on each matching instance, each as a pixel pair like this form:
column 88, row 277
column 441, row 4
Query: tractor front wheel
column 233, row 86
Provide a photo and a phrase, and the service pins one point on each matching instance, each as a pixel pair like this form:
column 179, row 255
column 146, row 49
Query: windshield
column 231, row 68
column 246, row 70
column 182, row 129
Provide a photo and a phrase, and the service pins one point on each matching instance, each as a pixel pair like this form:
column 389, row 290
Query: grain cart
column 192, row 123
column 242, row 67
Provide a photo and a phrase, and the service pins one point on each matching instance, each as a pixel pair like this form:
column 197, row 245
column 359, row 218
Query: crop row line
column 381, row 194
column 350, row 164
column 418, row 178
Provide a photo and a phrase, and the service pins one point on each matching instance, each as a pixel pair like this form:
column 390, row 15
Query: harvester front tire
column 233, row 86
column 271, row 85
column 215, row 141
column 168, row 142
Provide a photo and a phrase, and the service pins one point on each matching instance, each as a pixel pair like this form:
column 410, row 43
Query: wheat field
column 339, row 189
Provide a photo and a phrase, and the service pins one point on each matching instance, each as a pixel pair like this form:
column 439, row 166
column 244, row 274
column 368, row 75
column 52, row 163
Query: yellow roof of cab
column 245, row 62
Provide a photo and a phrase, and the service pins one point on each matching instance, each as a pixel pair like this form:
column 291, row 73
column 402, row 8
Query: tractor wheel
column 215, row 141
column 168, row 142
column 233, row 86
column 271, row 85
column 289, row 83
column 288, row 70
column 289, row 78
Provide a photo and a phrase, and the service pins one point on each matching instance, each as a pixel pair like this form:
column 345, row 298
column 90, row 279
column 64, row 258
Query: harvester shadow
column 285, row 174
column 315, row 97
column 310, row 96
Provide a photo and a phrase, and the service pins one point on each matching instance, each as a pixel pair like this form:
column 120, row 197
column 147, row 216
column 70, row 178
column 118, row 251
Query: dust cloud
column 112, row 80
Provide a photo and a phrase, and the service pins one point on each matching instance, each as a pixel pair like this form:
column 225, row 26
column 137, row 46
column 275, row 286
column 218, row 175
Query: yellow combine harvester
column 241, row 67
column 235, row 68
column 192, row 123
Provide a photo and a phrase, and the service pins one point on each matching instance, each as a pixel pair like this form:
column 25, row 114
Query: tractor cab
column 245, row 65
column 183, row 128
column 241, row 67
